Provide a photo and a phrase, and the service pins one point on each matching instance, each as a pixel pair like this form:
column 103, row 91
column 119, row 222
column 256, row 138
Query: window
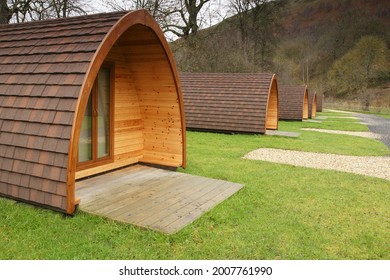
column 95, row 142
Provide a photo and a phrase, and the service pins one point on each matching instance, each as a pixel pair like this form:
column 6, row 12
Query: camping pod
column 312, row 104
column 293, row 103
column 230, row 102
column 81, row 96
column 320, row 99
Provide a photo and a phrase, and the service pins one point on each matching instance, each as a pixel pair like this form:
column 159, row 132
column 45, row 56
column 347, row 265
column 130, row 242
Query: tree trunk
column 5, row 13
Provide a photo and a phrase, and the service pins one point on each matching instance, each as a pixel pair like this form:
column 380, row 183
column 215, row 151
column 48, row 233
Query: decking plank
column 187, row 206
column 150, row 197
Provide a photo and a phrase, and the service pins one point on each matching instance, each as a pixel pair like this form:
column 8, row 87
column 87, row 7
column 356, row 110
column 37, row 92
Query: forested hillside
column 340, row 47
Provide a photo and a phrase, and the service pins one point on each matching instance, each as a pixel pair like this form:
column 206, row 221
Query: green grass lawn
column 283, row 212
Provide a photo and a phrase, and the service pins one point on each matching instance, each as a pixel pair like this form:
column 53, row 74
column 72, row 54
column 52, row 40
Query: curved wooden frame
column 272, row 109
column 305, row 111
column 312, row 105
column 125, row 23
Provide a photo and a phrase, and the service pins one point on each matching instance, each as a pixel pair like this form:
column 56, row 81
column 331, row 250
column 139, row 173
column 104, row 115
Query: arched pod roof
column 230, row 102
column 47, row 70
column 293, row 102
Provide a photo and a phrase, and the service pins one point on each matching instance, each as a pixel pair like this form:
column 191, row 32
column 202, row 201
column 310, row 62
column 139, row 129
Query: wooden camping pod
column 110, row 75
column 230, row 102
column 312, row 105
column 293, row 103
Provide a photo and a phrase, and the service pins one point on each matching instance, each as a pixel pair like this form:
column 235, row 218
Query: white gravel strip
column 343, row 117
column 365, row 165
column 353, row 133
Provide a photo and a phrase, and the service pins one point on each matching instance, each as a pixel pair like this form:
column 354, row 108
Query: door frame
column 110, row 158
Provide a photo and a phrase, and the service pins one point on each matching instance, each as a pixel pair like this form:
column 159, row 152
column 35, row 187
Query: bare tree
column 32, row 10
column 161, row 10
column 257, row 20
column 187, row 21
column 179, row 17
column 5, row 12
column 242, row 8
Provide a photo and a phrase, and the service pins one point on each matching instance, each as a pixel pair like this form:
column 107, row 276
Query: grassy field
column 284, row 212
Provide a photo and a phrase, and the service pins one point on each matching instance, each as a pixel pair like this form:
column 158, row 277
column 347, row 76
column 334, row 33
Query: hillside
column 301, row 43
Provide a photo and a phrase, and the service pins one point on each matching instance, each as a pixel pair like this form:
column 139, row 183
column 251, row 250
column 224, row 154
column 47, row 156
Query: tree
column 32, row 10
column 359, row 68
column 161, row 10
column 5, row 12
column 257, row 21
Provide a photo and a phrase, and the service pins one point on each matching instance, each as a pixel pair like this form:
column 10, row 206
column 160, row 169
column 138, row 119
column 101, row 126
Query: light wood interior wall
column 272, row 110
column 147, row 118
column 314, row 108
column 305, row 111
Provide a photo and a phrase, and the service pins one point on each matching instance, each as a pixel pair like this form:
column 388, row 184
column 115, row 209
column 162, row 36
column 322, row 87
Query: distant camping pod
column 293, row 103
column 85, row 95
column 230, row 102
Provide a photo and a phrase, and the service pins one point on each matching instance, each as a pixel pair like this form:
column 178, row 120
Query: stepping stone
column 282, row 133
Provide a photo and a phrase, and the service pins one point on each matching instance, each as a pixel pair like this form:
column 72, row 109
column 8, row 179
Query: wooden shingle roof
column 47, row 69
column 293, row 102
column 230, row 102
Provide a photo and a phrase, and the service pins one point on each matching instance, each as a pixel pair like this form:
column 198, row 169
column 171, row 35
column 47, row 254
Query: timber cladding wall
column 48, row 70
column 230, row 102
column 293, row 103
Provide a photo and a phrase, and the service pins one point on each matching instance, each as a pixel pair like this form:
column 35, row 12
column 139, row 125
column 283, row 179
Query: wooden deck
column 150, row 197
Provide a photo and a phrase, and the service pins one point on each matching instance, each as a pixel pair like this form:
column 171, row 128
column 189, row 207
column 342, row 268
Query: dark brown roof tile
column 63, row 146
column 24, row 193
column 6, row 138
column 38, row 170
column 13, row 190
column 3, row 187
column 14, row 179
column 48, row 117
column 4, row 175
column 37, row 196
column 65, row 118
column 53, row 173
column 61, row 160
column 19, row 167
column 68, row 91
column 25, row 180
column 67, row 104
column 50, row 144
column 7, row 164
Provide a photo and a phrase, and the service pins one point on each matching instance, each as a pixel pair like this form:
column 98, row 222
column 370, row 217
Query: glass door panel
column 85, row 142
column 103, row 117
column 94, row 141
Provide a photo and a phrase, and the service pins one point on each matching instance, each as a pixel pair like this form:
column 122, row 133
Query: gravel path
column 370, row 166
column 353, row 133
column 378, row 125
